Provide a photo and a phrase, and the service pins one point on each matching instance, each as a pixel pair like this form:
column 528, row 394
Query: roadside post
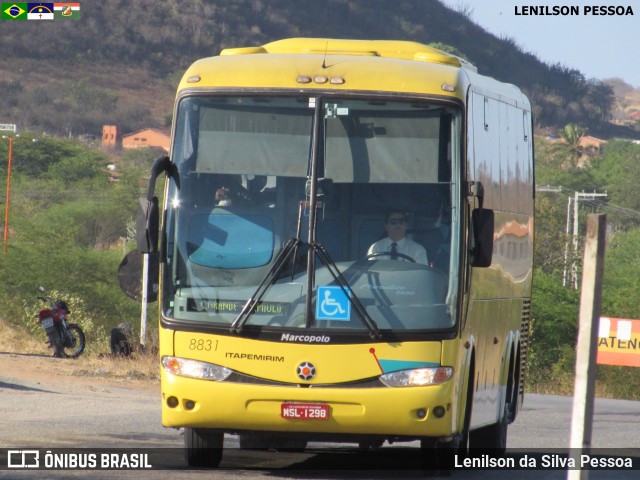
column 145, row 299
column 585, row 378
column 8, row 196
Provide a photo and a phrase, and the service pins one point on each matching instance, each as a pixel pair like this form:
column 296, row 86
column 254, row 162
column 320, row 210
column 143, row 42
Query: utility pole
column 566, row 245
column 550, row 189
column 571, row 228
column 578, row 196
column 8, row 197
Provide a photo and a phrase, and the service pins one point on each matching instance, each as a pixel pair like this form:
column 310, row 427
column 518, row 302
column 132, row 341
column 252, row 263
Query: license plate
column 304, row 411
column 47, row 323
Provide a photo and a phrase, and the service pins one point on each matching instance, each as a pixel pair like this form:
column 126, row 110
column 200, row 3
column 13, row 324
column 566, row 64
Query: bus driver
column 396, row 245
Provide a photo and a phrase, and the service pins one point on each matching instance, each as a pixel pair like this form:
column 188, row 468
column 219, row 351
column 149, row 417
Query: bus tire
column 515, row 389
column 465, row 443
column 203, row 447
column 438, row 457
column 493, row 438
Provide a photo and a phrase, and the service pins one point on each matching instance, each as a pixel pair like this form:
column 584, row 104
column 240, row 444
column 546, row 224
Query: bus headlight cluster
column 185, row 367
column 417, row 377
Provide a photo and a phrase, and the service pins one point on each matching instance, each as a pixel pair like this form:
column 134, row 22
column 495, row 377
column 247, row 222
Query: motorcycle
column 66, row 339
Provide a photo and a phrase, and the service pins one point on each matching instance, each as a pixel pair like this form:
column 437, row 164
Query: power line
column 572, row 233
column 593, row 202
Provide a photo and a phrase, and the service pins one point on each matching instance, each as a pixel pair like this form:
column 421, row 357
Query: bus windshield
column 334, row 214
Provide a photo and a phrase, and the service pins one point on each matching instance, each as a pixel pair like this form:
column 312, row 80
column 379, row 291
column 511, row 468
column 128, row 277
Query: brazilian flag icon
column 13, row 11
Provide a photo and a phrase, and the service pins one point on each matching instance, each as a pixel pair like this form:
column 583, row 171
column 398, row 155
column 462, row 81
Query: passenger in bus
column 233, row 191
column 224, row 197
column 396, row 245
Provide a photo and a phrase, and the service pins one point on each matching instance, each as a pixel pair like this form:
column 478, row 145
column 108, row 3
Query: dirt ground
column 39, row 368
column 28, row 359
column 62, row 403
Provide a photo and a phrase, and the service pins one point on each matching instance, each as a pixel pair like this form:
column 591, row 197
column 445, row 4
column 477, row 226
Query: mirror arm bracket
column 148, row 215
column 476, row 190
column 160, row 165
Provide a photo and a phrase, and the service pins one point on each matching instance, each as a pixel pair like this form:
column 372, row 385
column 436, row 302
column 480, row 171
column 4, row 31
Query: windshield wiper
column 313, row 248
column 333, row 269
column 289, row 249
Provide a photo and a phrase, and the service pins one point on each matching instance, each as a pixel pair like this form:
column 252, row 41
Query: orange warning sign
column 619, row 342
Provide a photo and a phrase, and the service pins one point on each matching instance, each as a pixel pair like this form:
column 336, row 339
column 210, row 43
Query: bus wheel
column 494, row 437
column 203, row 447
column 438, row 457
column 464, row 447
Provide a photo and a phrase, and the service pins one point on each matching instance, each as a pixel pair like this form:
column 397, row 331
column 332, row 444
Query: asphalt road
column 83, row 414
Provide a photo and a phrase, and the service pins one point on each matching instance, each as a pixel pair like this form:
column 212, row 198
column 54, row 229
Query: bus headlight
column 185, row 367
column 418, row 377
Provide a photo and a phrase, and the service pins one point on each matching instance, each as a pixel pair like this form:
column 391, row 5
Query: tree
column 617, row 172
column 554, row 313
column 621, row 279
column 572, row 134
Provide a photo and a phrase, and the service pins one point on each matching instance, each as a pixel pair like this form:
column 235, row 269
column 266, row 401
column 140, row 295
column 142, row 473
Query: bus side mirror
column 130, row 276
column 148, row 225
column 148, row 221
column 482, row 220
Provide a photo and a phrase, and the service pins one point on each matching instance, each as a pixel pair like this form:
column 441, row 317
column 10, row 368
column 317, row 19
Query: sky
column 599, row 46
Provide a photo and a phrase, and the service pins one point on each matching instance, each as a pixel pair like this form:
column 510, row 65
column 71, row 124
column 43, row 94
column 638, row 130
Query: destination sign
column 236, row 306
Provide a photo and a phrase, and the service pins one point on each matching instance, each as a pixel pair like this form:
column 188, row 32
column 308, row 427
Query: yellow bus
column 279, row 321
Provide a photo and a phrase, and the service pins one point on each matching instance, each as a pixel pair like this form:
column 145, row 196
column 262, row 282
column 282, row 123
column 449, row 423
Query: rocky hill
column 627, row 103
column 120, row 62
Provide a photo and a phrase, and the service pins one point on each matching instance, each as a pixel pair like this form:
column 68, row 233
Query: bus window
column 241, row 211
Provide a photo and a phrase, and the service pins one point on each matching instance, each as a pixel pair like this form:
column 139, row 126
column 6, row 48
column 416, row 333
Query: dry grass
column 144, row 367
column 16, row 339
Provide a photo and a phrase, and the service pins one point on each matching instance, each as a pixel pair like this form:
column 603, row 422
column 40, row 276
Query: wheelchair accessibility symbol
column 332, row 304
